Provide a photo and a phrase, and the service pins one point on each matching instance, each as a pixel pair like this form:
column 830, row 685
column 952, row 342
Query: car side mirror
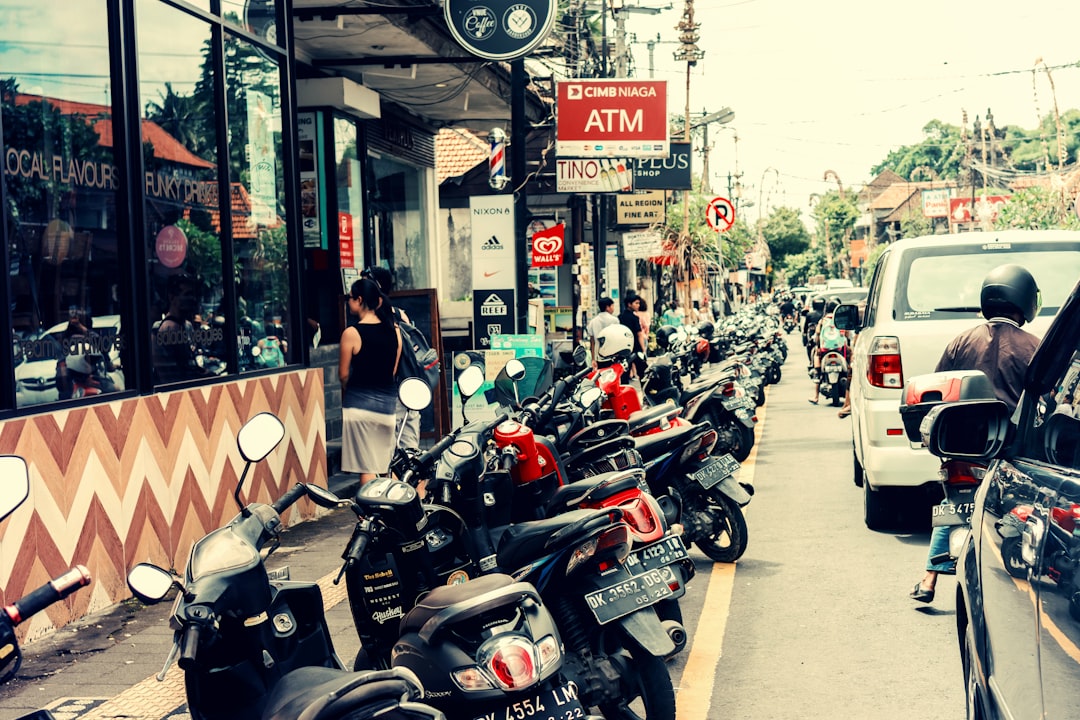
column 974, row 430
column 846, row 317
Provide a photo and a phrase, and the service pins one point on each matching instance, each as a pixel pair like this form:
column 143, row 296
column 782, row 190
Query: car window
column 941, row 283
column 874, row 292
column 1054, row 432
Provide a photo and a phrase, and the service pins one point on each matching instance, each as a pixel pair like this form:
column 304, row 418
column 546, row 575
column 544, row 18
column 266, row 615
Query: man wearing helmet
column 1002, row 349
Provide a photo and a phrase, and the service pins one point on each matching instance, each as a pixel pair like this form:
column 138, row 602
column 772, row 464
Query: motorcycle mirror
column 259, row 436
column 149, row 583
column 591, row 396
column 256, row 351
column 16, row 485
column 469, row 381
column 414, row 393
column 580, row 356
column 515, row 370
column 323, row 497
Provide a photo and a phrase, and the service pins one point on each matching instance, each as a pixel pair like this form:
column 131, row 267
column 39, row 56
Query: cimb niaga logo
column 573, row 92
column 480, row 22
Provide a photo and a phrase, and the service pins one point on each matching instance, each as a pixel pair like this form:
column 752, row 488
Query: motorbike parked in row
column 13, row 492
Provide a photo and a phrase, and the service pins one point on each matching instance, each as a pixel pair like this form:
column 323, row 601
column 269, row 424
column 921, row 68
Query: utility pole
column 689, row 53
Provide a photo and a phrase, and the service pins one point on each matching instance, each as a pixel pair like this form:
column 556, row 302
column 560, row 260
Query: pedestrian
column 601, row 320
column 1002, row 349
column 406, row 421
column 630, row 319
column 370, row 352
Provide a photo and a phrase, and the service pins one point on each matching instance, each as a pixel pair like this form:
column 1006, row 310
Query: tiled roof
column 457, row 152
column 166, row 147
column 893, row 196
column 244, row 228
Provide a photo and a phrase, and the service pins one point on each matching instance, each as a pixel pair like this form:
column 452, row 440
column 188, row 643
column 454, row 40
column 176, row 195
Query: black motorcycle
column 13, row 492
column 238, row 632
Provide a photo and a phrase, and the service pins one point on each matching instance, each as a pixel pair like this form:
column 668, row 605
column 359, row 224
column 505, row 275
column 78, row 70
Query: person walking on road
column 1002, row 349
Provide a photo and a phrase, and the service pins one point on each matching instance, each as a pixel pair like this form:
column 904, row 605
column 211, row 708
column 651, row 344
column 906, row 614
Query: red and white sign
column 612, row 118
column 720, row 214
column 986, row 208
column 935, row 203
column 171, row 246
column 593, row 175
column 345, row 240
column 548, row 246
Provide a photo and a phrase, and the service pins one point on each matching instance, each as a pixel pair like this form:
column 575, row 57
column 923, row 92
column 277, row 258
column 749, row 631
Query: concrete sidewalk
column 105, row 665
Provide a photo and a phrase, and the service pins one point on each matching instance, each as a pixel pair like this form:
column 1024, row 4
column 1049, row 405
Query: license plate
column 739, row 402
column 560, row 703
column 951, row 513
column 633, row 593
column 722, row 467
column 664, row 552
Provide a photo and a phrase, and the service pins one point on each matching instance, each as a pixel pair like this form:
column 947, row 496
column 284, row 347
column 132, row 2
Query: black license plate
column 632, row 593
column 720, row 468
column 951, row 513
column 663, row 552
column 560, row 703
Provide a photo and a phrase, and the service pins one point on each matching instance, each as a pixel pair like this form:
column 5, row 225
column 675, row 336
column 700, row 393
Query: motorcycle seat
column 703, row 384
column 595, row 489
column 331, row 692
column 597, row 432
column 444, row 596
column 603, row 454
column 653, row 416
column 658, row 443
column 523, row 543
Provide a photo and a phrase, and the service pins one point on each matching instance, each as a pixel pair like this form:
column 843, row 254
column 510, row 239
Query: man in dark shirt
column 629, row 318
column 1001, row 349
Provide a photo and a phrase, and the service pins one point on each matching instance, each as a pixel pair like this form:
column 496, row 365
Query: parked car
column 1018, row 598
column 36, row 359
column 924, row 292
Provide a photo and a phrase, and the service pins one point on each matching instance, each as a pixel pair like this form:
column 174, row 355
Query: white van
column 923, row 293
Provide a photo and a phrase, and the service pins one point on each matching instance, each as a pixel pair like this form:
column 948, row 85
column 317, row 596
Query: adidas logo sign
column 492, row 243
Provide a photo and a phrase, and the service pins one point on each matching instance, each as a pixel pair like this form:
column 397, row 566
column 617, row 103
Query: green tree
column 785, row 233
column 941, row 151
column 834, row 218
column 1038, row 208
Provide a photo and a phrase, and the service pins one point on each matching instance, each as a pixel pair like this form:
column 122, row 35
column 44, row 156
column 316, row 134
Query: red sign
column 986, row 208
column 609, row 118
column 548, row 246
column 720, row 214
column 667, row 255
column 345, row 240
column 171, row 246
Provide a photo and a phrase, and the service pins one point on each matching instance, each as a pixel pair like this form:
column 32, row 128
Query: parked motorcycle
column 13, row 492
column 238, row 631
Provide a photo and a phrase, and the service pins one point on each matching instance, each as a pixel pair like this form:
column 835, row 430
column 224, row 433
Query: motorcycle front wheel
column 646, row 688
column 727, row 541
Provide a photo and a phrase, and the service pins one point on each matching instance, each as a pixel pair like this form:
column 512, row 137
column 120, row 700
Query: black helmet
column 818, row 303
column 1009, row 289
column 664, row 334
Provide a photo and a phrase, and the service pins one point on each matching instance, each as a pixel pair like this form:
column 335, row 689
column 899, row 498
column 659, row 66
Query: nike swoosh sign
column 489, row 274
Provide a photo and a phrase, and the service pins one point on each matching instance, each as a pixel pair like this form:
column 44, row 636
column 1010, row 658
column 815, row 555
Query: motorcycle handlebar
column 291, row 495
column 53, row 591
column 189, row 646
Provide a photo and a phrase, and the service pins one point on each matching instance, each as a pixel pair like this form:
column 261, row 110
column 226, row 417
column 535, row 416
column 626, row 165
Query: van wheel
column 875, row 513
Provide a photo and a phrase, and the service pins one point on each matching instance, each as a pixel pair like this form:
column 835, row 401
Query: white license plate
column 663, row 552
column 711, row 475
column 951, row 514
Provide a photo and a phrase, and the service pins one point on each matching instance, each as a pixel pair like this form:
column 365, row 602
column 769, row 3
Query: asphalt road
column 812, row 622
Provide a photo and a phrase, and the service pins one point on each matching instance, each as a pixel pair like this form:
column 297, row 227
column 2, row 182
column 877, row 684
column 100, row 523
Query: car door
column 1030, row 541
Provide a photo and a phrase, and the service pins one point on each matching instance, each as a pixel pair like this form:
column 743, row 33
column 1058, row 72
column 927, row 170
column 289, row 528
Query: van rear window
column 939, row 283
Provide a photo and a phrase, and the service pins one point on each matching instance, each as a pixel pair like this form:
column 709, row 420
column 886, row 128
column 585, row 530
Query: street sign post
column 720, row 214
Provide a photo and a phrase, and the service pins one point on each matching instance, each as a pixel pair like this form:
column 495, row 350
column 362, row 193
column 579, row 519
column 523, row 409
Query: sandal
column 843, row 413
column 812, row 402
column 921, row 594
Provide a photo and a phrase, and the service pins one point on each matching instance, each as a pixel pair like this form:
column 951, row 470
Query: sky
column 836, row 85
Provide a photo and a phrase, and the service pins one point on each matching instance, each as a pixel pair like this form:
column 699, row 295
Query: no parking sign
column 720, row 214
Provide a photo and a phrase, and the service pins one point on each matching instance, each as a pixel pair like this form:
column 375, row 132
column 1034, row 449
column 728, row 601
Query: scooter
column 13, row 492
column 833, row 377
column 238, row 631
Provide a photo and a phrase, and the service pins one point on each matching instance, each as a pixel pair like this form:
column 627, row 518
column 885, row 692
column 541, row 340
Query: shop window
column 260, row 242
column 182, row 209
column 61, row 183
column 257, row 17
column 399, row 220
column 349, row 194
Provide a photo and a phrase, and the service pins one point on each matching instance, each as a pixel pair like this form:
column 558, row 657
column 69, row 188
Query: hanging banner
column 611, row 118
column 593, row 175
column 494, row 256
column 548, row 246
column 642, row 244
column 640, row 208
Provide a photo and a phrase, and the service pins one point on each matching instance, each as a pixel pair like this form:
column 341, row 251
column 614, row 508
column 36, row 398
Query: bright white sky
column 836, row 85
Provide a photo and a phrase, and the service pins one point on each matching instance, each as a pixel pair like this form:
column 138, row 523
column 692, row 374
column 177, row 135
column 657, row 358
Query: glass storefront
column 399, row 219
column 197, row 282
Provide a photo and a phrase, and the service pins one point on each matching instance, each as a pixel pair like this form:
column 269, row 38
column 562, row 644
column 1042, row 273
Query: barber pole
column 497, row 160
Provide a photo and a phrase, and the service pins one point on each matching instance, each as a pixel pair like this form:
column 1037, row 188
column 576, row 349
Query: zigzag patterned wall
column 142, row 479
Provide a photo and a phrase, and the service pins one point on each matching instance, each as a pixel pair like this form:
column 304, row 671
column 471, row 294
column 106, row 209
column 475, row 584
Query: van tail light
column 883, row 363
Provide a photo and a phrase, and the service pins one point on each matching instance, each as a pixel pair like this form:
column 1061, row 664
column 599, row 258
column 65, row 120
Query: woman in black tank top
column 370, row 350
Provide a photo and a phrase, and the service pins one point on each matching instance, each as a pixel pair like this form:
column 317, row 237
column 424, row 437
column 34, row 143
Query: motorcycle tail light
column 643, row 517
column 612, row 544
column 507, row 662
column 701, row 449
column 959, row 472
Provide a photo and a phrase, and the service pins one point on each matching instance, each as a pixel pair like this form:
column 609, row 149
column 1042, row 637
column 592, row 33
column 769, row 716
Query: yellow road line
column 694, row 692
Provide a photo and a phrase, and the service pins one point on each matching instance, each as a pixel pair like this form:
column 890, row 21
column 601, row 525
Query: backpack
column 831, row 337
column 418, row 358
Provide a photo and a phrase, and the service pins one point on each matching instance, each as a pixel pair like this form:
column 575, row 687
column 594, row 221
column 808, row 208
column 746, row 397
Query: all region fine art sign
column 612, row 118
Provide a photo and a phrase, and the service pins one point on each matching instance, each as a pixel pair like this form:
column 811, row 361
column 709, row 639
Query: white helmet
column 615, row 342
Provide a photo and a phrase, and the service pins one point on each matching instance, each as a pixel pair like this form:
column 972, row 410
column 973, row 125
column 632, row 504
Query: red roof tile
column 166, row 147
column 457, row 152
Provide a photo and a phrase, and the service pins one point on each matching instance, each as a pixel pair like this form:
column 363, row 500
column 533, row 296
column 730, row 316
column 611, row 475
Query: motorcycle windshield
column 221, row 551
column 537, row 381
